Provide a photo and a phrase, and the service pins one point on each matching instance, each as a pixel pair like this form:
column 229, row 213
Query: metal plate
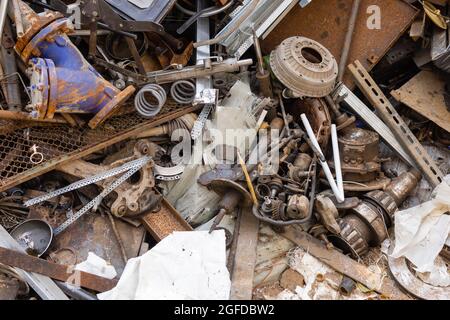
column 153, row 11
column 326, row 22
column 425, row 94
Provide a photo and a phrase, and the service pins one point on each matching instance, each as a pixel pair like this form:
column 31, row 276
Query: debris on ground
column 224, row 150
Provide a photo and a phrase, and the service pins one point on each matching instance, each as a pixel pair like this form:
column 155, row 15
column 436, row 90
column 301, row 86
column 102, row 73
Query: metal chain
column 139, row 163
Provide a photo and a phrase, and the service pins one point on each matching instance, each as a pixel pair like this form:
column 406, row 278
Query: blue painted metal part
column 74, row 86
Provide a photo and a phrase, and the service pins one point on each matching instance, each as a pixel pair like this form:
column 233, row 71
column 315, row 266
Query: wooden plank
column 344, row 264
column 425, row 94
column 245, row 258
column 327, row 22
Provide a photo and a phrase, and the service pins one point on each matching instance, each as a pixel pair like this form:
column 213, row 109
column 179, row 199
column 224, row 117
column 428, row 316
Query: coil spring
column 183, row 91
column 150, row 108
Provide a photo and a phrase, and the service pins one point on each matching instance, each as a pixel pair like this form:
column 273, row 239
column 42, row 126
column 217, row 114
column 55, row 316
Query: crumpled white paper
column 96, row 265
column 422, row 231
column 183, row 266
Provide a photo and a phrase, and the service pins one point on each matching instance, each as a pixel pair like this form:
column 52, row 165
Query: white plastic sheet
column 422, row 231
column 183, row 266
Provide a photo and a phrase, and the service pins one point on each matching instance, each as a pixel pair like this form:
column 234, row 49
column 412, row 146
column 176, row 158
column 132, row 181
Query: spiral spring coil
column 147, row 108
column 183, row 91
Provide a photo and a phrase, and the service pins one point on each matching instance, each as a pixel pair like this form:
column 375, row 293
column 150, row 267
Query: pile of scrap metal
column 126, row 121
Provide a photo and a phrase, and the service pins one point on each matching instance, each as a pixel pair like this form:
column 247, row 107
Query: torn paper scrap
column 96, row 265
column 183, row 266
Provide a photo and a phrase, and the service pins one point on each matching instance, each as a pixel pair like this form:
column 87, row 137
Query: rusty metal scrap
column 55, row 271
column 126, row 124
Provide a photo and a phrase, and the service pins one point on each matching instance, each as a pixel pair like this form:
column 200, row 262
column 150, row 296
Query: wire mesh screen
column 59, row 143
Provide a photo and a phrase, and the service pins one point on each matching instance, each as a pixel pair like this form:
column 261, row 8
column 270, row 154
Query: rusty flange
column 374, row 219
column 305, row 67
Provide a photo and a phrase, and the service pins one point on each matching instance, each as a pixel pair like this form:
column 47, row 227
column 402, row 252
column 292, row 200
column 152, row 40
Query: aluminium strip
column 398, row 127
column 90, row 180
column 373, row 121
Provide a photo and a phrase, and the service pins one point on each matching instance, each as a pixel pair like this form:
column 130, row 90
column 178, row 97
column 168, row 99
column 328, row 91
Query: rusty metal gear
column 384, row 201
column 353, row 235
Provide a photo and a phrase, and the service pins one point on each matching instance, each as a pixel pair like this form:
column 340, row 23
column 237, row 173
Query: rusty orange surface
column 327, row 23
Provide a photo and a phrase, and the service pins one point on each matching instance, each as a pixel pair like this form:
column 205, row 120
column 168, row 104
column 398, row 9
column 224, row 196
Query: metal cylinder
column 402, row 186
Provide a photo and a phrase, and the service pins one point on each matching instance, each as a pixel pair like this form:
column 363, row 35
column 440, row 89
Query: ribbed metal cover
column 305, row 67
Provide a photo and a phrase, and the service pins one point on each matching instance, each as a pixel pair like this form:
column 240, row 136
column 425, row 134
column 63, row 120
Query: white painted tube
column 337, row 159
column 326, row 169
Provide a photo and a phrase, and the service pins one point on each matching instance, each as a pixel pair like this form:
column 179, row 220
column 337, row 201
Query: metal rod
column 337, row 159
column 348, row 39
column 3, row 12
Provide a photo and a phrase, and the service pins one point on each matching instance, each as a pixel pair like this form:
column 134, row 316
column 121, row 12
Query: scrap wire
column 11, row 212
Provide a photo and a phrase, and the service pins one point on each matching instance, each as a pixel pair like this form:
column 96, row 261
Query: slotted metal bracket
column 398, row 127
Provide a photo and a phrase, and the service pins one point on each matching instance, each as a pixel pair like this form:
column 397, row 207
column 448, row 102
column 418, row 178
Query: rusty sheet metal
column 327, row 22
column 425, row 94
column 344, row 264
column 55, row 271
column 62, row 143
column 93, row 233
column 162, row 223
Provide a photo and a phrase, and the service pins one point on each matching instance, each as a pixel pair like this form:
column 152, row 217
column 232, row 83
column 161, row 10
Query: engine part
column 342, row 119
column 35, row 236
column 363, row 227
column 305, row 67
column 359, row 151
column 395, row 194
column 233, row 196
column 146, row 107
column 395, row 122
column 297, row 207
column 328, row 213
column 183, row 91
column 352, row 238
column 61, row 65
column 317, row 112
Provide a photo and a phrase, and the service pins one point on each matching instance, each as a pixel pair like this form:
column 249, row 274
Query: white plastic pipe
column 337, row 159
column 326, row 169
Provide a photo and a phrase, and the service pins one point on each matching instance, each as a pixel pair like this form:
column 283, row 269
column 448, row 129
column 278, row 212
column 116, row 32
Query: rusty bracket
column 394, row 121
column 55, row 271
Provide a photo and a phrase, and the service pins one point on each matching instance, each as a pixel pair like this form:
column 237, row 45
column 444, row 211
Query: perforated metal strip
column 398, row 127
column 139, row 163
column 201, row 121
column 100, row 197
